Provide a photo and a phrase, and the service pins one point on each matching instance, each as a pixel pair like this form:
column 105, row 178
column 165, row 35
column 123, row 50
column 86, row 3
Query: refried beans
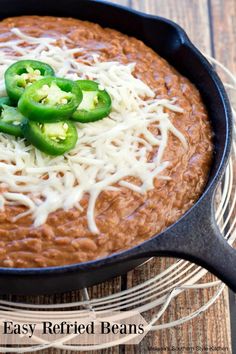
column 124, row 217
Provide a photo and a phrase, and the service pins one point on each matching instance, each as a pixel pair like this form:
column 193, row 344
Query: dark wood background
column 211, row 25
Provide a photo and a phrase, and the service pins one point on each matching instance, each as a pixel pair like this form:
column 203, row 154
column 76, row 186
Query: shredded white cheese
column 107, row 151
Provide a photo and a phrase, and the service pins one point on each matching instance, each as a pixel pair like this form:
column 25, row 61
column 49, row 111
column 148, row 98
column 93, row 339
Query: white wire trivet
column 152, row 297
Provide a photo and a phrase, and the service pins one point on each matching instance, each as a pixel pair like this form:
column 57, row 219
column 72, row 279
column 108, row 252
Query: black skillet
column 195, row 236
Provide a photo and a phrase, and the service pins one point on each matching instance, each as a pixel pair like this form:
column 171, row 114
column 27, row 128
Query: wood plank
column 223, row 14
column 191, row 15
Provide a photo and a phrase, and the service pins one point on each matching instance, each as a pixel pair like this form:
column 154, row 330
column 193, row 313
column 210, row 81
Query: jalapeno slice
column 22, row 74
column 50, row 100
column 95, row 105
column 51, row 138
column 10, row 120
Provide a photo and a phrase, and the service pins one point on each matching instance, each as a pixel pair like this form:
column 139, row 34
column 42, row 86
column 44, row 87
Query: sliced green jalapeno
column 95, row 105
column 22, row 74
column 50, row 100
column 10, row 120
column 51, row 138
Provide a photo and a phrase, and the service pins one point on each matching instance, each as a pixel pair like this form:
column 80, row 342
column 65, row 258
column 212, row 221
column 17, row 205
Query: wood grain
column 191, row 15
column 201, row 19
column 223, row 15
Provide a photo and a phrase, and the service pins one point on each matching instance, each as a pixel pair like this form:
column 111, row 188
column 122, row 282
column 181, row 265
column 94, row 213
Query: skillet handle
column 197, row 238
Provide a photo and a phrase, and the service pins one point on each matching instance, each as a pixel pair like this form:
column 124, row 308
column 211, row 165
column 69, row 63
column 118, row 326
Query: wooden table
column 210, row 24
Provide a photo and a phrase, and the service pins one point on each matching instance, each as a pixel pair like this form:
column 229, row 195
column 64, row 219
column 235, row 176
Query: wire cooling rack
column 152, row 297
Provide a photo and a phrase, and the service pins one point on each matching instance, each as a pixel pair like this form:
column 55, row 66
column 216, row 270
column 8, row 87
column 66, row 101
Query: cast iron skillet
column 195, row 236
